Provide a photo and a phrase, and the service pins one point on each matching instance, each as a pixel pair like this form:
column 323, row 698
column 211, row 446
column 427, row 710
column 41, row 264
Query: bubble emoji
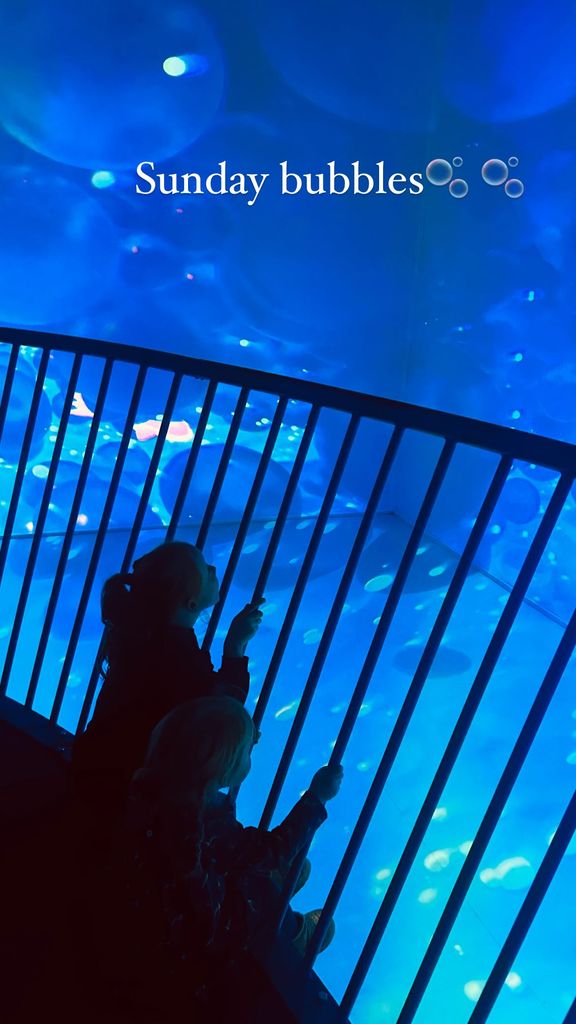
column 494, row 172
column 439, row 172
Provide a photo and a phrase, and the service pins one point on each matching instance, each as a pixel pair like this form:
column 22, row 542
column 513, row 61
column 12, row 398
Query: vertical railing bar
column 98, row 545
column 306, row 567
column 275, row 540
column 192, row 460
column 139, row 517
column 245, row 521
column 409, row 704
column 457, row 738
column 282, row 516
column 490, row 820
column 69, row 534
column 151, row 472
column 22, row 462
column 7, row 389
column 530, row 907
column 39, row 524
column 334, row 615
column 391, row 602
column 388, row 612
column 222, row 467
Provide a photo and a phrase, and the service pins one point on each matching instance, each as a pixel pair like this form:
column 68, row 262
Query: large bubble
column 235, row 490
column 57, row 247
column 351, row 65
column 494, row 50
column 86, row 85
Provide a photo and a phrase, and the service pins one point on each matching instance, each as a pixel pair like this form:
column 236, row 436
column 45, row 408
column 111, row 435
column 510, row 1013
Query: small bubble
column 514, row 188
column 439, row 172
column 457, row 161
column 458, row 188
column 494, row 172
column 513, row 161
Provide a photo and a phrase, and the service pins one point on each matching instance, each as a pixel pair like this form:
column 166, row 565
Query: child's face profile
column 209, row 589
column 245, row 764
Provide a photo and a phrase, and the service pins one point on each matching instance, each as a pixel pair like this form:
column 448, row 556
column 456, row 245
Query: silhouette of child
column 195, row 886
column 153, row 663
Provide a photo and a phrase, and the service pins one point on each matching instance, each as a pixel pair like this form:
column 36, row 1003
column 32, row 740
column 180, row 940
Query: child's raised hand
column 242, row 628
column 326, row 782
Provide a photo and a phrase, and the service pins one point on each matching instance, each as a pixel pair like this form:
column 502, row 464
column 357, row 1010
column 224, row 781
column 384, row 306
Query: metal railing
column 31, row 354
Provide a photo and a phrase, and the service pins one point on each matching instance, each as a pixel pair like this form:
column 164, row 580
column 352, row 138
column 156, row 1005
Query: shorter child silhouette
column 195, row 887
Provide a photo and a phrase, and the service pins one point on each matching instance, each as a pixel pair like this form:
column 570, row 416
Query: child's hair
column 199, row 742
column 132, row 604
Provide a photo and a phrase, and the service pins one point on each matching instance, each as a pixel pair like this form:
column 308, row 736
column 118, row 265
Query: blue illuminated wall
column 463, row 302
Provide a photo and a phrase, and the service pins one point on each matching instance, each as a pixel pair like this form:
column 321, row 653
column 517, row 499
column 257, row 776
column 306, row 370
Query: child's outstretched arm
column 259, row 850
column 233, row 677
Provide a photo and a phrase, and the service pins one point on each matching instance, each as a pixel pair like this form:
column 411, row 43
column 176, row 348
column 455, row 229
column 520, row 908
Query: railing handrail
column 492, row 437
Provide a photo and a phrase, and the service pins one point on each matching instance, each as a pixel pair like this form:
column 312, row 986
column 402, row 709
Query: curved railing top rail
column 517, row 444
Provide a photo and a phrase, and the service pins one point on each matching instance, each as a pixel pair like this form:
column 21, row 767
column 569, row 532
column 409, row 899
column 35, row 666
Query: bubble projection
column 58, row 248
column 87, row 86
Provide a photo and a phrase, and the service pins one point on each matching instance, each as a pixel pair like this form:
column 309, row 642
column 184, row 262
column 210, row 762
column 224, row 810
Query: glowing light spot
column 189, row 277
column 571, row 759
column 437, row 571
column 437, row 860
column 518, row 357
column 513, row 980
column 458, row 949
column 427, row 895
column 312, row 636
column 82, row 519
column 191, row 64
column 243, row 342
column 383, row 873
column 363, row 766
column 41, row 472
column 516, row 414
column 530, row 296
column 439, row 814
column 496, row 529
column 30, row 527
column 500, row 872
column 287, row 712
column 473, row 990
column 103, row 179
column 378, row 583
column 175, row 66
column 134, row 249
column 365, row 709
